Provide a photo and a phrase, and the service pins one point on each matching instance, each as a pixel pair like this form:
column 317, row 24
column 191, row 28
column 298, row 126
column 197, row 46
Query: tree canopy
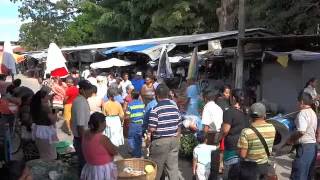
column 75, row 22
column 285, row 16
column 46, row 21
column 87, row 21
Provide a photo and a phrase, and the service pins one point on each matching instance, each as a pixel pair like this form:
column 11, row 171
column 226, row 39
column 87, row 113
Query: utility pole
column 240, row 47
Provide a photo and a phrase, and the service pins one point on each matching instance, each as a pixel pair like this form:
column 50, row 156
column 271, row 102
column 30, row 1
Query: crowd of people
column 101, row 110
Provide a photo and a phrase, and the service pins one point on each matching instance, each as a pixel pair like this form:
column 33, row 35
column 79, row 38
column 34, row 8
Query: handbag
column 271, row 174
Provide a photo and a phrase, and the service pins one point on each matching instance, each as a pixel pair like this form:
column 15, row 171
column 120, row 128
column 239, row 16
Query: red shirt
column 71, row 92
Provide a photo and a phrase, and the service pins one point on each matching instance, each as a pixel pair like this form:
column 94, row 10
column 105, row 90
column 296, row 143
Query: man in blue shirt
column 138, row 82
column 135, row 112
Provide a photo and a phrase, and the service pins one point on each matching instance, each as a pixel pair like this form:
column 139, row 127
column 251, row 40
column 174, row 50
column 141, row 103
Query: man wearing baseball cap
column 254, row 163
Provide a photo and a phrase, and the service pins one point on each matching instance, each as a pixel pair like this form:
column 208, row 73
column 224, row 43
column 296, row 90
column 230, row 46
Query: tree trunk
column 228, row 15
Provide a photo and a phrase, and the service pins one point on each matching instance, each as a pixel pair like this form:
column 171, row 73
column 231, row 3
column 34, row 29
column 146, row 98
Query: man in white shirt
column 212, row 119
column 126, row 82
column 304, row 139
column 212, row 115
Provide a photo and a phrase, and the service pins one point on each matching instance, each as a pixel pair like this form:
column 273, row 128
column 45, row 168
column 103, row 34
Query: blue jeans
column 78, row 148
column 304, row 162
column 135, row 139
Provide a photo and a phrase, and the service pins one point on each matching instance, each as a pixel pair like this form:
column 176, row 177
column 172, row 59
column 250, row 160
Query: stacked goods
column 187, row 143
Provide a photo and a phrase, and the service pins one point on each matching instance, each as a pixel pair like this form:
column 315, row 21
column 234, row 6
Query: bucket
column 284, row 127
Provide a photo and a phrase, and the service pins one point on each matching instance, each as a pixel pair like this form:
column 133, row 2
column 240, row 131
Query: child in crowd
column 202, row 157
column 135, row 112
column 98, row 151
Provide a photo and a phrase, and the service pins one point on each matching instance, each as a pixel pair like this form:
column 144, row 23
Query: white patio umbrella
column 8, row 62
column 113, row 62
column 56, row 63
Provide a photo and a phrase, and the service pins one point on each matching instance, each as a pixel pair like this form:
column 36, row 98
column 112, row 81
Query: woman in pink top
column 98, row 151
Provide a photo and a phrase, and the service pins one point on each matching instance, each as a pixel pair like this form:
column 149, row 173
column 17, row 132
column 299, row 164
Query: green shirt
column 250, row 141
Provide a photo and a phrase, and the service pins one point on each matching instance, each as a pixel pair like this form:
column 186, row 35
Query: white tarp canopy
column 113, row 62
column 175, row 59
column 56, row 63
column 179, row 40
column 38, row 55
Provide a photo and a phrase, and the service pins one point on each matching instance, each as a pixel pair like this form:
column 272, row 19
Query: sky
column 9, row 21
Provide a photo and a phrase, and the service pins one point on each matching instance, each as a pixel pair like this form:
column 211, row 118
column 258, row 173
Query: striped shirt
column 136, row 111
column 165, row 118
column 250, row 141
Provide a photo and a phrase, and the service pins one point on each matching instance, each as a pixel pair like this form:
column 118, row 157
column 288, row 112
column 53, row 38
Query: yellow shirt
column 113, row 108
column 250, row 141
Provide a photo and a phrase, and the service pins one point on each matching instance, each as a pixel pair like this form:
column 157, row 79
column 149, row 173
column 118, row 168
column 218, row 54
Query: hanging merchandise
column 164, row 67
column 193, row 66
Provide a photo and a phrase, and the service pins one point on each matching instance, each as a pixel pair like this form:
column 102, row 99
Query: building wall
column 311, row 69
column 281, row 85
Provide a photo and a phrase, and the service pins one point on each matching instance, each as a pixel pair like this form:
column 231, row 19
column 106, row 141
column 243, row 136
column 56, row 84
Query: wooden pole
column 240, row 47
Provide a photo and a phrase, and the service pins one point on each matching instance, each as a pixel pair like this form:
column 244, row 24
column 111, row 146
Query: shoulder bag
column 249, row 169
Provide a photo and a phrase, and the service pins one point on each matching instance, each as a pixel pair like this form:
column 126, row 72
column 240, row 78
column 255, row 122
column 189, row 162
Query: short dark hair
column 47, row 76
column 135, row 94
column 3, row 77
column 95, row 120
column 201, row 136
column 306, row 98
column 311, row 80
column 225, row 87
column 17, row 82
column 10, row 89
column 94, row 89
column 162, row 91
column 85, row 88
column 211, row 95
column 238, row 96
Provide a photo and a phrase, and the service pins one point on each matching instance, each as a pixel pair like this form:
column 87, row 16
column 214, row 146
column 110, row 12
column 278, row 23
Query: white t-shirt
column 124, row 85
column 102, row 89
column 95, row 104
column 212, row 116
column 306, row 122
column 93, row 81
column 202, row 153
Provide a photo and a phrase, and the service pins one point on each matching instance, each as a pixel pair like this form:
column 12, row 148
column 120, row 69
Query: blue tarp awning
column 133, row 48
